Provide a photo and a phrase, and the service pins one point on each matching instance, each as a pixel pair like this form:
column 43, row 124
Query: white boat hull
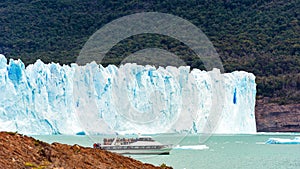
column 141, row 145
column 165, row 151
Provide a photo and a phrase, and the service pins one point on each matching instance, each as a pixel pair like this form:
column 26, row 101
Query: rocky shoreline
column 19, row 151
column 273, row 117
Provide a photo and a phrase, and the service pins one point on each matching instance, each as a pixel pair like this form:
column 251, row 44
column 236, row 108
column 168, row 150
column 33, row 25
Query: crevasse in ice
column 54, row 99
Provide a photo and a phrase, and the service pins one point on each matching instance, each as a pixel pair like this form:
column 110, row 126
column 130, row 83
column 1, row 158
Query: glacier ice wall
column 52, row 99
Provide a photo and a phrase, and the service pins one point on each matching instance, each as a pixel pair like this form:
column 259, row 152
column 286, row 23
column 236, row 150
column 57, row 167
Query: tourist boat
column 140, row 145
column 296, row 140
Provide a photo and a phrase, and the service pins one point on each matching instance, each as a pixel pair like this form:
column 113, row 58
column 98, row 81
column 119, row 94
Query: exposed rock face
column 18, row 151
column 271, row 117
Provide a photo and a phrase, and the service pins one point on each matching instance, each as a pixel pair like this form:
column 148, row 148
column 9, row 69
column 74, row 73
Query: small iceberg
column 296, row 140
column 191, row 147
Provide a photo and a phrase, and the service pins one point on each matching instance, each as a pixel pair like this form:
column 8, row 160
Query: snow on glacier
column 54, row 99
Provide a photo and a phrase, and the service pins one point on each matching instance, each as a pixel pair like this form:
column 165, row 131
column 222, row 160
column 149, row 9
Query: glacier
column 43, row 99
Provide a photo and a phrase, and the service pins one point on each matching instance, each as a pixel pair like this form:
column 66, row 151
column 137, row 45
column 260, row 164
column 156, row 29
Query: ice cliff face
column 51, row 99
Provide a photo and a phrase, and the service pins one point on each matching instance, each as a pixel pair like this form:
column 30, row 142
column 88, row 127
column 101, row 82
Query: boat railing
column 134, row 147
column 122, row 141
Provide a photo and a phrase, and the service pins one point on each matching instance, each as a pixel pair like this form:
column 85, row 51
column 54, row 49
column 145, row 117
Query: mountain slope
column 262, row 37
column 18, row 151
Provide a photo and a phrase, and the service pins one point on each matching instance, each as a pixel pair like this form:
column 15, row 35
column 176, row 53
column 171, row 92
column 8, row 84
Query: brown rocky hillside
column 273, row 117
column 19, row 151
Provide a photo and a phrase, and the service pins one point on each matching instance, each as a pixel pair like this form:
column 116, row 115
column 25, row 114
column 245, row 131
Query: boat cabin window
column 145, row 139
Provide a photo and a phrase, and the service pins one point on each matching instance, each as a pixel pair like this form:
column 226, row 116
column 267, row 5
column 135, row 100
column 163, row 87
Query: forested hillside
column 262, row 37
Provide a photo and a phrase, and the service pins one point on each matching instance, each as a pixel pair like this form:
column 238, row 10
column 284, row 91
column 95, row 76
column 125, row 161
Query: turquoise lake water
column 219, row 151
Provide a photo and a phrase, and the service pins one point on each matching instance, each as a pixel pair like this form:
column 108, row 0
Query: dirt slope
column 272, row 117
column 18, row 151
